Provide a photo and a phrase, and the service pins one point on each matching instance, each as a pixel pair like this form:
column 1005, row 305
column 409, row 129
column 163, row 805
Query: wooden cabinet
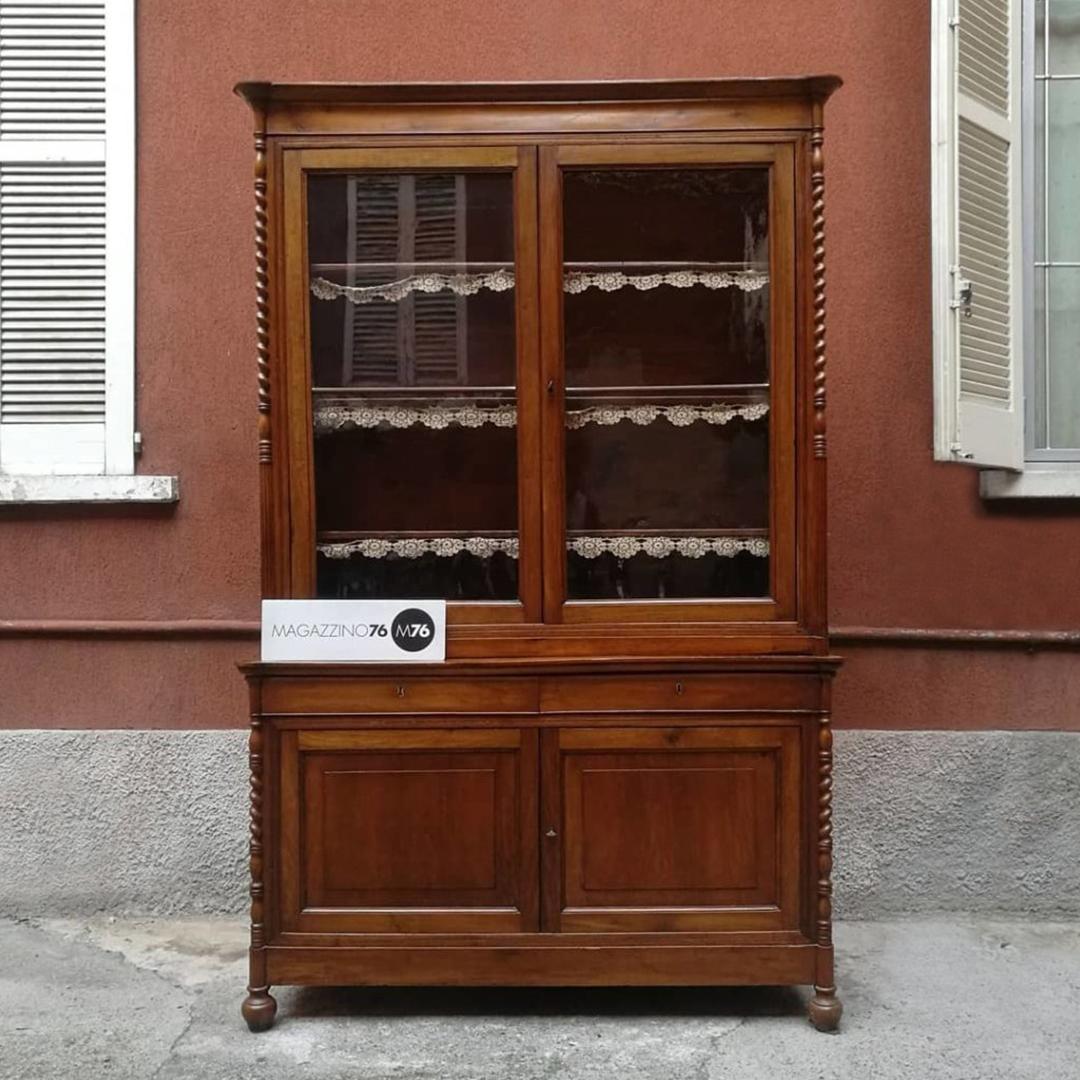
column 554, row 354
column 413, row 830
column 674, row 828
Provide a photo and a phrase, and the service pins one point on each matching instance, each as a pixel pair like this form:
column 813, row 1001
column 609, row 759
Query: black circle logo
column 412, row 629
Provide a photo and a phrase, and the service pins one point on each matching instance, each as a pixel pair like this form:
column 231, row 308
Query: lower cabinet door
column 671, row 829
column 409, row 831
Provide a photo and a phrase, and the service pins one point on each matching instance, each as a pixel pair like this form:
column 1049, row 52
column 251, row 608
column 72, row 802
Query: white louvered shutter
column 67, row 184
column 978, row 339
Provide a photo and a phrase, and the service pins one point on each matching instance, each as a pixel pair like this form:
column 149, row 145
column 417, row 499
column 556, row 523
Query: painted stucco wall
column 911, row 542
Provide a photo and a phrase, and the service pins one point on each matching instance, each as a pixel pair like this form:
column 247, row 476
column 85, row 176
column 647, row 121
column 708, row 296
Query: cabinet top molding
column 811, row 86
column 313, row 108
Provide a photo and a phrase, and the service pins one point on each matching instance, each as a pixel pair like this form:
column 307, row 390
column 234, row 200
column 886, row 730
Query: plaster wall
column 155, row 822
column 911, row 542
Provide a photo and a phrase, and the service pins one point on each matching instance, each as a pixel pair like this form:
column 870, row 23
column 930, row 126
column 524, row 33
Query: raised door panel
column 667, row 829
column 409, row 831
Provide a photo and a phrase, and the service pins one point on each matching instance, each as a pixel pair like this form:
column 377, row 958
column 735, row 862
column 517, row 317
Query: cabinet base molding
column 598, row 965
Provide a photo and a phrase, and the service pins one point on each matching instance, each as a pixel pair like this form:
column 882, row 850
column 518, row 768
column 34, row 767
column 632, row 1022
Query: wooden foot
column 825, row 1009
column 259, row 1009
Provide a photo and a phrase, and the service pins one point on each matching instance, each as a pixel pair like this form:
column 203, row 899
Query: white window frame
column 1042, row 473
column 116, row 481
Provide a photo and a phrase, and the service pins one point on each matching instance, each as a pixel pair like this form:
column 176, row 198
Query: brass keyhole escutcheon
column 679, row 688
column 400, row 691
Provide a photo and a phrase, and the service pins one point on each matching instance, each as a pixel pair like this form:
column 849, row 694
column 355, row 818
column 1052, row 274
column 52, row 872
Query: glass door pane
column 414, row 408
column 667, row 365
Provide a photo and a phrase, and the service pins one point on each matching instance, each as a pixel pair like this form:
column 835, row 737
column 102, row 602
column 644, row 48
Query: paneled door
column 671, row 828
column 409, row 831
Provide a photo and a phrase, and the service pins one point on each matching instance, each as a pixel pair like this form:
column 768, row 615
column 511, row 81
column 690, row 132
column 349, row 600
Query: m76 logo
column 412, row 630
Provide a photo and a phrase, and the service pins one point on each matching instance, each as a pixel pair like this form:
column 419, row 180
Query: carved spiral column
column 825, row 830
column 271, row 586
column 817, row 224
column 262, row 303
column 258, row 1007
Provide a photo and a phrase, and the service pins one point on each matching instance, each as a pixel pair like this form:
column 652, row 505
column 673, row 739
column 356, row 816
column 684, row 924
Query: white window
column 67, row 253
column 1006, row 165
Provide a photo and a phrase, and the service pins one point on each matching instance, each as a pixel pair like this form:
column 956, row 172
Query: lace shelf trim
column 330, row 418
column 588, row 547
column 574, row 281
column 577, row 281
column 483, row 547
column 677, row 415
column 660, row 547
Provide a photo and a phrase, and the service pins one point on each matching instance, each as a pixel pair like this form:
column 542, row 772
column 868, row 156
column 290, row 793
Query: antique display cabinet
column 555, row 354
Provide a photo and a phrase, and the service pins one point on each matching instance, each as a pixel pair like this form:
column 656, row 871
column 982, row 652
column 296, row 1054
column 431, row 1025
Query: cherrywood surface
column 586, row 792
column 409, row 831
column 609, row 964
column 676, row 828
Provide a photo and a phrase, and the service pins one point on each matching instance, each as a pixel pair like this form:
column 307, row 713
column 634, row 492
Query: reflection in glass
column 667, row 373
column 413, row 360
column 1062, row 370
column 1063, row 170
column 1055, row 393
column 1064, row 37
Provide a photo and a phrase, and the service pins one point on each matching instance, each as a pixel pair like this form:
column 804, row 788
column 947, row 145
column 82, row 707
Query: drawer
column 405, row 695
column 678, row 693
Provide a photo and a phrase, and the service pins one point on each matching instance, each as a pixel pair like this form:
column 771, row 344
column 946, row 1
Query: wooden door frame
column 655, row 734
column 780, row 160
column 293, row 916
column 520, row 160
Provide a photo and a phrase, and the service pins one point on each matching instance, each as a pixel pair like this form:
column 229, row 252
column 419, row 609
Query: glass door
column 668, row 299
column 417, row 303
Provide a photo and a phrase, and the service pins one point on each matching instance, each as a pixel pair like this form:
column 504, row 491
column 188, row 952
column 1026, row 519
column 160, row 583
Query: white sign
column 410, row 631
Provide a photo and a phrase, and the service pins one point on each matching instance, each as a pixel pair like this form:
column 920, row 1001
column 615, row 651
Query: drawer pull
column 400, row 691
column 551, row 833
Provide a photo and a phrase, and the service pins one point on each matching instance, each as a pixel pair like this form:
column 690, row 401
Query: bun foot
column 259, row 1009
column 825, row 1009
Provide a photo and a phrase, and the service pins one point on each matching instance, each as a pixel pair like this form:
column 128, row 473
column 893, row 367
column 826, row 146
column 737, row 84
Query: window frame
column 1043, row 456
column 115, row 480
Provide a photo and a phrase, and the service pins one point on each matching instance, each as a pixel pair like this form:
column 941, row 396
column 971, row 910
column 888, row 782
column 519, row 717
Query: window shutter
column 66, row 236
column 978, row 339
column 422, row 338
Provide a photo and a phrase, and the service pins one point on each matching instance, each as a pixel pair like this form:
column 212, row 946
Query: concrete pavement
column 961, row 999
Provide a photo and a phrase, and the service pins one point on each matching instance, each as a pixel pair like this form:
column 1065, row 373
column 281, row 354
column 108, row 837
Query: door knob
column 551, row 834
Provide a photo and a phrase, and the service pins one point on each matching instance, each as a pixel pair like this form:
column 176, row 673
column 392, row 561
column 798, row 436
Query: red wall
column 911, row 542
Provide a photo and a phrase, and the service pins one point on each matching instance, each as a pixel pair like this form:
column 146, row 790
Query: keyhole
column 679, row 688
column 400, row 691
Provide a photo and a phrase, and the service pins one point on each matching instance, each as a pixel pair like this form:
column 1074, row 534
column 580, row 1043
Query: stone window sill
column 27, row 490
column 1035, row 482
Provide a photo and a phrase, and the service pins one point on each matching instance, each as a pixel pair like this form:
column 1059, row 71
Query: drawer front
column 405, row 695
column 412, row 831
column 671, row 829
column 678, row 693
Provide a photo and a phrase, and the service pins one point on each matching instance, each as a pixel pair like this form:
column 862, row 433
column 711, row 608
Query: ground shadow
column 545, row 1001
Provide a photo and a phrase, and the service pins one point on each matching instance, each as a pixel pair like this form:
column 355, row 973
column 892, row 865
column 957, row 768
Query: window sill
column 25, row 490
column 1037, row 481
